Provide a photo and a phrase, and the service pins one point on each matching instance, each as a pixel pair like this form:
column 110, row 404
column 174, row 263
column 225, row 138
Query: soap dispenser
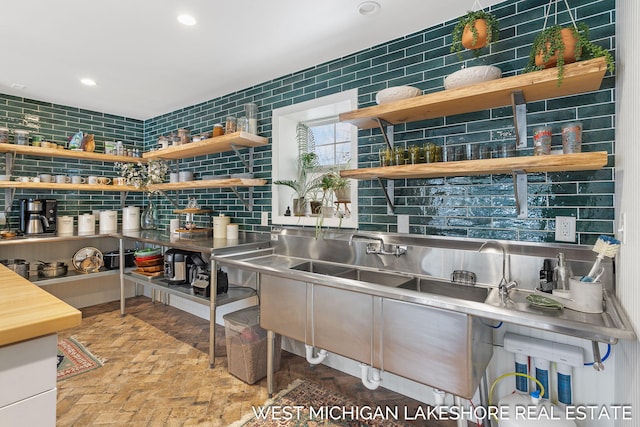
column 561, row 273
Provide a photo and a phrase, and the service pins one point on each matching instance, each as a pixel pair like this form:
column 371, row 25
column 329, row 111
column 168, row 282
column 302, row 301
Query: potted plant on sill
column 474, row 31
column 556, row 46
column 305, row 183
column 331, row 184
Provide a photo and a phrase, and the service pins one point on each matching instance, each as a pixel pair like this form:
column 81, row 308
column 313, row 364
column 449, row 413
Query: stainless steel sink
column 323, row 268
column 448, row 289
column 348, row 272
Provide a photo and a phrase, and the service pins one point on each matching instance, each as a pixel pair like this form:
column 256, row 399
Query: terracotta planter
column 569, row 41
column 467, row 35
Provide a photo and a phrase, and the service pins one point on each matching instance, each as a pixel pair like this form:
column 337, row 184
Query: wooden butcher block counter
column 27, row 311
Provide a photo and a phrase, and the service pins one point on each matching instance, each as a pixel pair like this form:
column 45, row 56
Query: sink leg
column 458, row 402
column 597, row 361
column 271, row 338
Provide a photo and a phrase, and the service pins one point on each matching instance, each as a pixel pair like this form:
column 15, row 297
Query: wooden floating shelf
column 209, row 183
column 68, row 187
column 528, row 164
column 67, row 154
column 218, row 144
column 579, row 77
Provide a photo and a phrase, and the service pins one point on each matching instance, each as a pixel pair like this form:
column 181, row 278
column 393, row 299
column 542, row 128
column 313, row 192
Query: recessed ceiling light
column 186, row 19
column 88, row 82
column 368, row 8
column 18, row 86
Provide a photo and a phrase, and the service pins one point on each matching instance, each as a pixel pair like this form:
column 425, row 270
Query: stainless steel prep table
column 247, row 241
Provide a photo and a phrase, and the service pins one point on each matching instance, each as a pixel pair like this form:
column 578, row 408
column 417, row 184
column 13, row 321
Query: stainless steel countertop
column 246, row 239
column 607, row 327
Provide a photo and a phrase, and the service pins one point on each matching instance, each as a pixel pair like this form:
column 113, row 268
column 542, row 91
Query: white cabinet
column 28, row 382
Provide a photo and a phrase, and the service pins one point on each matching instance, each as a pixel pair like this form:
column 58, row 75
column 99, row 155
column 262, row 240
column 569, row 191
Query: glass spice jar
column 218, row 130
column 231, row 125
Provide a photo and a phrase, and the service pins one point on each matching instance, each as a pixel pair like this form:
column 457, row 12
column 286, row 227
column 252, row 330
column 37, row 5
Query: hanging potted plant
column 556, row 46
column 474, row 31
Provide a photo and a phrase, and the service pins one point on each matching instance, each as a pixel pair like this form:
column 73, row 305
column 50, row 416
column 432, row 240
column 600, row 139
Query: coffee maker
column 38, row 216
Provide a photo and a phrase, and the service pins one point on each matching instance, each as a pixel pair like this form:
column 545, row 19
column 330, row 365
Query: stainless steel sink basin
column 348, row 272
column 448, row 289
column 322, row 268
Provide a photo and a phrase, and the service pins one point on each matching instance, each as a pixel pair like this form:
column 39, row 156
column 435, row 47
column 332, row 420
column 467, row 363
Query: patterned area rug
column 75, row 359
column 305, row 403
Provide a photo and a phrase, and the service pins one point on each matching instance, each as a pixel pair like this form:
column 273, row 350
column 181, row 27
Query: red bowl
column 148, row 258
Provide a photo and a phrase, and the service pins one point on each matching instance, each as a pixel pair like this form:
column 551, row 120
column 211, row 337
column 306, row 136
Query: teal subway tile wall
column 479, row 207
column 57, row 123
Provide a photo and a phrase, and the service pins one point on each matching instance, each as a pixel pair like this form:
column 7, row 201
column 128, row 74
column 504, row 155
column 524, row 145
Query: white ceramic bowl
column 472, row 75
column 396, row 93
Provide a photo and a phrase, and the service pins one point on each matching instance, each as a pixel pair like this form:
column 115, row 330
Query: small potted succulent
column 474, row 31
column 556, row 46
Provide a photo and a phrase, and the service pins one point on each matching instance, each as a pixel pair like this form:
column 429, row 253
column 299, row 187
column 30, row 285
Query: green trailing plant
column 329, row 182
column 549, row 42
column 493, row 29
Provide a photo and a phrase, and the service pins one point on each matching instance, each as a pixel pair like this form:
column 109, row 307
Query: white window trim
column 285, row 151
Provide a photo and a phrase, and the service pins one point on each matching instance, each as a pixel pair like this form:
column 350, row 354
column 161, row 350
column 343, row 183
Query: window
column 309, row 134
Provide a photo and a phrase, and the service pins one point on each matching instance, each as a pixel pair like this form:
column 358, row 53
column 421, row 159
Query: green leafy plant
column 329, row 182
column 549, row 42
column 142, row 175
column 493, row 29
column 306, row 180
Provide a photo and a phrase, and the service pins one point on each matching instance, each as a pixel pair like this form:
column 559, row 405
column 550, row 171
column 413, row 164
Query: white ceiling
column 145, row 63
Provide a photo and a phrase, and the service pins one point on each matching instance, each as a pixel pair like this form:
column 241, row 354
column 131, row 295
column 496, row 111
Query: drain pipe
column 317, row 359
column 375, row 380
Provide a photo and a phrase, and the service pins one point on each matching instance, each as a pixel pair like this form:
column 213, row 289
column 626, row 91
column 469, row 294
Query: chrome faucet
column 505, row 285
column 378, row 248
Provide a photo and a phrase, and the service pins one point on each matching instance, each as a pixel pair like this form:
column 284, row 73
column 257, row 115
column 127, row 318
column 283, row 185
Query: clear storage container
column 247, row 345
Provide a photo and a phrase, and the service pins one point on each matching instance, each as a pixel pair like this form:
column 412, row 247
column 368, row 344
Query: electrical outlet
column 403, row 223
column 565, row 229
column 264, row 219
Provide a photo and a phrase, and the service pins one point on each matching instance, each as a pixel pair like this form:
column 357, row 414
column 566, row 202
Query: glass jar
column 21, row 137
column 572, row 138
column 386, row 156
column 542, row 140
column 243, row 124
column 218, row 130
column 414, row 154
column 251, row 111
column 231, row 125
column 4, row 135
column 184, row 135
column 149, row 216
